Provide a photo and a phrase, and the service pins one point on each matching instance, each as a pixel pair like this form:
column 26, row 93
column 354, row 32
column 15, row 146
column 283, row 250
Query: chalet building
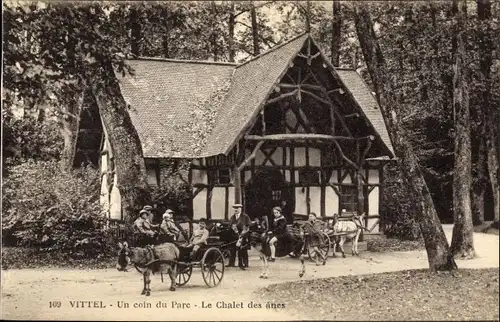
column 284, row 128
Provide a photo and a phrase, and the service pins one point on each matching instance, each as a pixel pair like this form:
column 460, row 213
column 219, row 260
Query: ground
column 27, row 293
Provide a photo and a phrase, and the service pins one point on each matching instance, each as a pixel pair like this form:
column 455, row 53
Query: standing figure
column 280, row 232
column 240, row 220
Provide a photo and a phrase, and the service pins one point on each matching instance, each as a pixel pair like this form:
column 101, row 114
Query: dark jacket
column 243, row 220
column 279, row 227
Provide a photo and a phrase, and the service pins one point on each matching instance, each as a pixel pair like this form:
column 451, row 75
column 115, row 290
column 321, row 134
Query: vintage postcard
column 250, row 160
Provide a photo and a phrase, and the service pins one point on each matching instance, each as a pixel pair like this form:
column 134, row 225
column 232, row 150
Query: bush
column 54, row 210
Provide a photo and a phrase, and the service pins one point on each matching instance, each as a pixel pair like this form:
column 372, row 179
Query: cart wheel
column 184, row 274
column 212, row 267
column 324, row 248
column 310, row 249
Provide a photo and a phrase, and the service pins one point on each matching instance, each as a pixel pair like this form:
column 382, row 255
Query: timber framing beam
column 281, row 97
column 309, row 57
column 251, row 156
column 301, row 88
column 304, row 136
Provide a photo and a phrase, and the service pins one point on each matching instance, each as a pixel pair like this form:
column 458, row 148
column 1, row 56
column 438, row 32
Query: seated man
column 168, row 226
column 314, row 228
column 199, row 237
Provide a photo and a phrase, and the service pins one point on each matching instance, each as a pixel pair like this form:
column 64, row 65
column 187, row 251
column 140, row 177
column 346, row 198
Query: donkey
column 147, row 260
column 260, row 243
column 350, row 229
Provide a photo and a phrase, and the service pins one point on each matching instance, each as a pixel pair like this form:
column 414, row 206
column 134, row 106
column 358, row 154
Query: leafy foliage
column 28, row 138
column 397, row 209
column 174, row 191
column 54, row 209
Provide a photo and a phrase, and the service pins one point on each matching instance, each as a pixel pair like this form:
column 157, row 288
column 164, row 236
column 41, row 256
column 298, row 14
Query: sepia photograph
column 250, row 160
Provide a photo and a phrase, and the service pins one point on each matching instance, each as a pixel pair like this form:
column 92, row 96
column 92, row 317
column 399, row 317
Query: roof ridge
column 273, row 49
column 344, row 68
column 187, row 61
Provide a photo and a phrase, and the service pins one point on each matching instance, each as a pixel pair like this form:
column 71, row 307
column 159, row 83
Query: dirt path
column 26, row 293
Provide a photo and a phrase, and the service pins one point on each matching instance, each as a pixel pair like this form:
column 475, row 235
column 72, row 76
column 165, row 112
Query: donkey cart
column 313, row 243
column 209, row 259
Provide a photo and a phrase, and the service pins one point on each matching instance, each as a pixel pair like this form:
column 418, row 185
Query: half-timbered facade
column 285, row 128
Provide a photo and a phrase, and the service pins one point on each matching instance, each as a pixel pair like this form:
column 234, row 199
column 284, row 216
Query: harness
column 151, row 257
column 355, row 220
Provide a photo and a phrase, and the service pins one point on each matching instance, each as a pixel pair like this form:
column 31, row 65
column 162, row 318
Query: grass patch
column 19, row 257
column 406, row 295
column 384, row 244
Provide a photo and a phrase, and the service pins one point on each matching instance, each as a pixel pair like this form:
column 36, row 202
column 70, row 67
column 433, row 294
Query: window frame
column 305, row 176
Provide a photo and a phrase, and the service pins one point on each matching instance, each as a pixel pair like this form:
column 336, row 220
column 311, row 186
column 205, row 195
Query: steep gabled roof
column 192, row 109
column 251, row 85
column 364, row 98
column 162, row 96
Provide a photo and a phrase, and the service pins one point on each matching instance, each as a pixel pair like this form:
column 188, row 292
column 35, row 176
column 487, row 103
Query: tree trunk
column 71, row 108
column 213, row 36
column 231, row 25
column 125, row 144
column 492, row 159
column 478, row 142
column 479, row 175
column 438, row 252
column 490, row 116
column 135, row 31
column 462, row 243
column 336, row 33
column 449, row 77
column 308, row 16
column 166, row 34
column 255, row 30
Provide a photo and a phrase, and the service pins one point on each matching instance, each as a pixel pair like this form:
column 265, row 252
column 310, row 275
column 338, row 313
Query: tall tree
column 479, row 152
column 213, row 31
column 124, row 140
column 231, row 24
column 166, row 31
column 308, row 16
column 336, row 32
column 490, row 113
column 462, row 243
column 56, row 69
column 72, row 103
column 255, row 29
column 438, row 252
column 135, row 29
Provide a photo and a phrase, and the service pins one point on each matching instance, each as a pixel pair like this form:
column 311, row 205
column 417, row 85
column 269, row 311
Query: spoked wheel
column 212, row 267
column 324, row 248
column 184, row 274
column 327, row 245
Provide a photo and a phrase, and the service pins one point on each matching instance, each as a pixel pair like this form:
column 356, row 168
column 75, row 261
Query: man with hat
column 168, row 226
column 239, row 220
column 144, row 226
